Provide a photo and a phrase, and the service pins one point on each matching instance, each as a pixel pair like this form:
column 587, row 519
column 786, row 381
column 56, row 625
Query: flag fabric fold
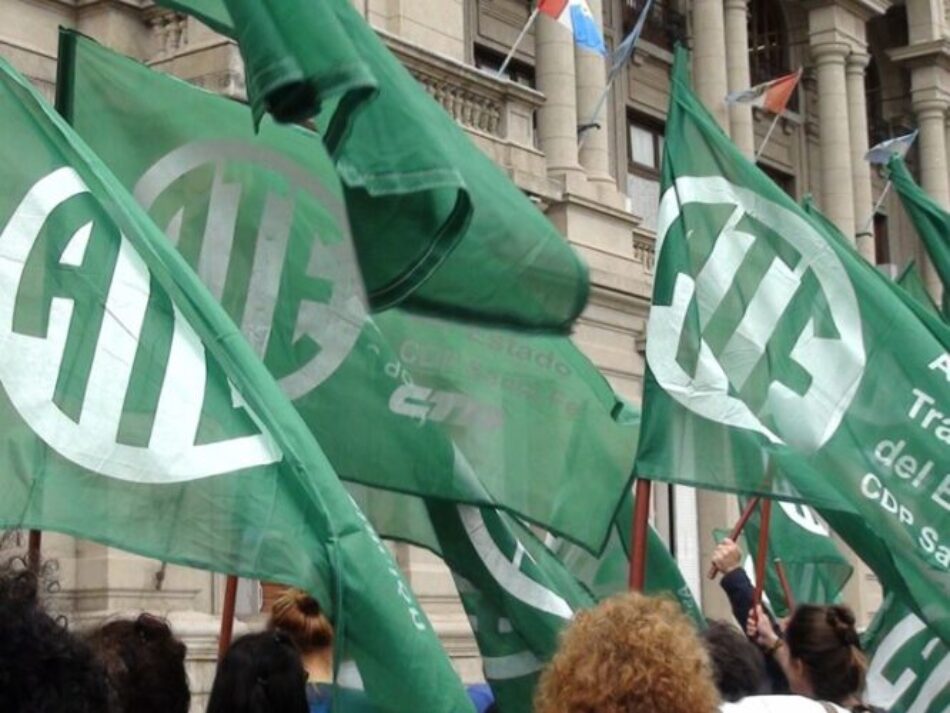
column 624, row 50
column 425, row 406
column 768, row 344
column 772, row 96
column 437, row 226
column 931, row 222
column 135, row 414
column 908, row 665
column 912, row 282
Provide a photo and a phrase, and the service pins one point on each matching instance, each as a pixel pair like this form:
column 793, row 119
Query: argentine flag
column 576, row 16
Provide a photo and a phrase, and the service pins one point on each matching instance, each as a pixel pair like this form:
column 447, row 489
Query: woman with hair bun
column 299, row 616
column 820, row 654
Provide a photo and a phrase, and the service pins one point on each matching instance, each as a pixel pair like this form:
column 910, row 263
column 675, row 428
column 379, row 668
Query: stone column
column 591, row 81
column 931, row 113
column 737, row 69
column 856, row 63
column 709, row 58
column 557, row 118
column 837, row 184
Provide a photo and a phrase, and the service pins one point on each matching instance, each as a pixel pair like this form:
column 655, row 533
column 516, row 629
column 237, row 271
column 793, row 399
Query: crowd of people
column 631, row 653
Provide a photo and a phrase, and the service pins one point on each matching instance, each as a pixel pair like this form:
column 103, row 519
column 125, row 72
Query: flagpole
column 786, row 587
column 227, row 615
column 877, row 206
column 738, row 527
column 761, row 555
column 638, row 535
column 514, row 47
column 768, row 135
column 583, row 128
column 33, row 551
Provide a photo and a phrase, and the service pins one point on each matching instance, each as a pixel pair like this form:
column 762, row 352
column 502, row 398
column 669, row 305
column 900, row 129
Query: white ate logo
column 835, row 365
column 30, row 365
column 334, row 325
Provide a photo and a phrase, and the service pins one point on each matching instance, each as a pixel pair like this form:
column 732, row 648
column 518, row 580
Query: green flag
column 814, row 566
column 913, row 284
column 437, row 226
column 909, row 669
column 931, row 222
column 608, row 573
column 781, row 363
column 518, row 596
column 398, row 401
column 135, row 414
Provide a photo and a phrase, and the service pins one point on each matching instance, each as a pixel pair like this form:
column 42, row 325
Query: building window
column 663, row 26
column 882, row 244
column 768, row 49
column 785, row 181
column 489, row 60
column 644, row 156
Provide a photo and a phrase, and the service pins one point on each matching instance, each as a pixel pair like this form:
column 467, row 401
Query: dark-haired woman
column 260, row 673
column 144, row 663
column 820, row 654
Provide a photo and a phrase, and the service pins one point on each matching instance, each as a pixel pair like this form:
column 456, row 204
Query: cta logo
column 766, row 334
column 272, row 244
column 106, row 372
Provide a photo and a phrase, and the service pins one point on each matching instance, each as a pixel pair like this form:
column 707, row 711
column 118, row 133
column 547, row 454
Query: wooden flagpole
column 34, row 551
column 638, row 535
column 739, row 527
column 786, row 587
column 227, row 615
column 761, row 556
column 768, row 135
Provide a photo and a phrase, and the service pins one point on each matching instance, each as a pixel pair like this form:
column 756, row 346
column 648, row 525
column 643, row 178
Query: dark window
column 878, row 129
column 785, row 181
column 768, row 47
column 663, row 26
column 644, row 157
column 882, row 245
column 517, row 71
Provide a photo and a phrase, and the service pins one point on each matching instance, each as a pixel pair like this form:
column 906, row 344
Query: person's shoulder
column 780, row 704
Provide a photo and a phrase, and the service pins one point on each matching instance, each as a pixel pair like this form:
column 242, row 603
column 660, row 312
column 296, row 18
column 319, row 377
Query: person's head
column 43, row 667
column 738, row 665
column 629, row 653
column 145, row 665
column 826, row 658
column 260, row 673
column 299, row 615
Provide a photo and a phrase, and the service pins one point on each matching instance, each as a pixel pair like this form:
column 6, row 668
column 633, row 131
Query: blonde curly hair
column 630, row 653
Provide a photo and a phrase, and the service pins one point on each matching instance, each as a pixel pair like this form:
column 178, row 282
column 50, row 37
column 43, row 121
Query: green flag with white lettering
column 909, row 666
column 438, row 227
column 518, row 596
column 814, row 566
column 931, row 222
column 398, row 401
column 134, row 414
column 781, row 363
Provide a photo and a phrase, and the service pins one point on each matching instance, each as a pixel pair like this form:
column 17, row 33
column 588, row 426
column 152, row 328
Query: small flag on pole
column 899, row 146
column 576, row 16
column 772, row 96
column 625, row 49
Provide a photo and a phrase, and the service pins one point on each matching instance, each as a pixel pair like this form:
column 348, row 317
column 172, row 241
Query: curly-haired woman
column 630, row 653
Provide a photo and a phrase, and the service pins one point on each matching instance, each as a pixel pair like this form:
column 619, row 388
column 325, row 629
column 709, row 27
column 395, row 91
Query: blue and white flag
column 576, row 16
column 625, row 49
column 881, row 153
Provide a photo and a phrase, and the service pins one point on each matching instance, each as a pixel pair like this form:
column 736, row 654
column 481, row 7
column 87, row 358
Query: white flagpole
column 875, row 209
column 768, row 135
column 514, row 47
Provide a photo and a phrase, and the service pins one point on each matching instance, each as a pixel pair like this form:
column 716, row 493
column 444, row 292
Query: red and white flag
column 771, row 96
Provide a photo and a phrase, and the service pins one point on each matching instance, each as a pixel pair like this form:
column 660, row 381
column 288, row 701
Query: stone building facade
column 872, row 69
